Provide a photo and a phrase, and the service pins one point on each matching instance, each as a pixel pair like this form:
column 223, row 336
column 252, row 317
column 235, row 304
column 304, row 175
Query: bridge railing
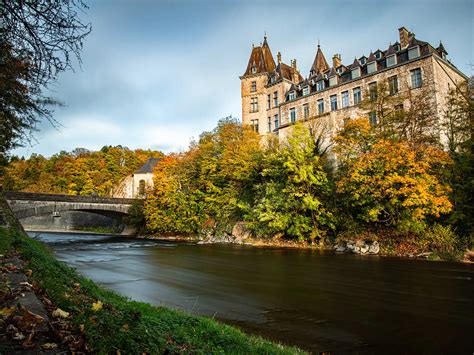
column 33, row 196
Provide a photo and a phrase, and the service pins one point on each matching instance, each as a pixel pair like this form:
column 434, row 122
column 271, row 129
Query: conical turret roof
column 320, row 64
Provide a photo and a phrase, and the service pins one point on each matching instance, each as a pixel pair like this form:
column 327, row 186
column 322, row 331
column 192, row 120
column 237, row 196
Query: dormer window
column 306, row 90
column 355, row 73
column 371, row 67
column 396, row 47
column 362, row 61
column 272, row 80
column 378, row 55
column 254, row 70
column 291, row 95
column 391, row 60
column 339, row 70
column 320, row 85
column 413, row 52
column 333, row 80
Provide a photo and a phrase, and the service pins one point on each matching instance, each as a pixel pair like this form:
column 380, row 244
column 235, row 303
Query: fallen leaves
column 97, row 306
column 59, row 313
column 7, row 311
column 49, row 346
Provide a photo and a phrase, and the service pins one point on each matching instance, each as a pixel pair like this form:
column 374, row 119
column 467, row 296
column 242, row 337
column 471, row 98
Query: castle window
column 277, row 122
column 345, row 99
column 268, row 102
column 355, row 73
column 254, row 104
column 357, row 96
column 371, row 67
column 291, row 95
column 320, row 85
column 141, row 187
column 255, row 125
column 305, row 111
column 393, row 85
column 254, row 70
column 362, row 61
column 333, row 80
column 397, row 47
column 391, row 60
column 373, row 91
column 269, row 124
column 378, row 55
column 275, row 99
column 373, row 117
column 414, row 52
column 272, row 80
column 254, row 86
column 320, row 106
column 416, row 80
column 306, row 90
column 333, row 100
column 293, row 115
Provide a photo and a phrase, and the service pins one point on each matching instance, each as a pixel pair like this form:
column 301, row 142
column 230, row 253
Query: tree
column 406, row 115
column 38, row 40
column 21, row 102
column 50, row 33
column 290, row 198
column 397, row 184
column 458, row 128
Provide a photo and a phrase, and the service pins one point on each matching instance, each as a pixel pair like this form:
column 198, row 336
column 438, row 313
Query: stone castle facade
column 275, row 95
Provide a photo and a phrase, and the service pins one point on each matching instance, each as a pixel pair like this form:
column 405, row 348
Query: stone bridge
column 28, row 204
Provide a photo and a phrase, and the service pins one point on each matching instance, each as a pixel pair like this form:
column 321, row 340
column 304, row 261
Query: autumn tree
column 391, row 183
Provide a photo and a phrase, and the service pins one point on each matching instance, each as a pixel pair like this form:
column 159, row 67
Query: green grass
column 124, row 325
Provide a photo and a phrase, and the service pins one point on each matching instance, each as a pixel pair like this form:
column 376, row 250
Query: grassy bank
column 118, row 324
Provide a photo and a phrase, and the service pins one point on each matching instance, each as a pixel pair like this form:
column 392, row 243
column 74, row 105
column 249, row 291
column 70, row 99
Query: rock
column 364, row 249
column 374, row 248
column 340, row 248
column 240, row 232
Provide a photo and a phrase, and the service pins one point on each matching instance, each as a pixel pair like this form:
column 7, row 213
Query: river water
column 319, row 301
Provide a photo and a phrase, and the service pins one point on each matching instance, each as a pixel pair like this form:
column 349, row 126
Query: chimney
column 294, row 71
column 336, row 60
column 403, row 32
column 279, row 57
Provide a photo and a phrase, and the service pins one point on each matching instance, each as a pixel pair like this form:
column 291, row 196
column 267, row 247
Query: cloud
column 156, row 73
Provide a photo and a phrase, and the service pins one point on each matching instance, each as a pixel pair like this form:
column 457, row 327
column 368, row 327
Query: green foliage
column 290, row 198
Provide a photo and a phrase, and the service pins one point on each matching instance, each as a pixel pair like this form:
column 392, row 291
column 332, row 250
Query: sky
column 156, row 74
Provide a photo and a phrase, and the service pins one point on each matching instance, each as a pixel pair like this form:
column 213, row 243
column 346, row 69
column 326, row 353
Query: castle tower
column 253, row 82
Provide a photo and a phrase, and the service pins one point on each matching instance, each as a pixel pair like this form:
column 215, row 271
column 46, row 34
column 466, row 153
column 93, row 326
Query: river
column 319, row 301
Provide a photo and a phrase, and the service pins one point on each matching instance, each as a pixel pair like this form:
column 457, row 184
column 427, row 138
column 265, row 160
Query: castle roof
column 320, row 64
column 261, row 59
column 148, row 167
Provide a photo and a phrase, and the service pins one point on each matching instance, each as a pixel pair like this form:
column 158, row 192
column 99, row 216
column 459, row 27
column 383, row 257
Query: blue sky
column 155, row 74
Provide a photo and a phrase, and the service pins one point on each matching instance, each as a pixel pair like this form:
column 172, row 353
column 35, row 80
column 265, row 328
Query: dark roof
column 371, row 58
column 441, row 48
column 148, row 166
column 320, row 64
column 391, row 50
column 261, row 58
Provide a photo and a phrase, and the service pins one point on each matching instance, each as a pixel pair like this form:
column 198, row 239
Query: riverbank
column 407, row 247
column 108, row 322
column 85, row 317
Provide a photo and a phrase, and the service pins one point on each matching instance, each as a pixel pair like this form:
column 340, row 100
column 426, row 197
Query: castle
column 275, row 95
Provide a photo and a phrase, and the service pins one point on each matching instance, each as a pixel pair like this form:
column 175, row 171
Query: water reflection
column 319, row 301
